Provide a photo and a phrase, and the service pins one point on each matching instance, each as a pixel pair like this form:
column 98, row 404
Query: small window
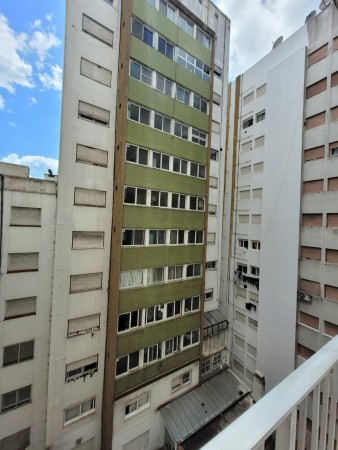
column 85, row 282
column 261, row 91
column 191, row 338
column 182, row 95
column 199, row 137
column 254, row 271
column 137, row 155
column 200, row 104
column 152, row 353
column 91, row 155
column 155, row 275
column 191, row 304
column 82, row 369
column 78, row 411
column 141, row 73
column 193, row 270
column 209, row 294
column 213, row 182
column 139, row 114
column 255, row 245
column 333, row 149
column 315, row 121
column 203, row 38
column 175, row 273
column 89, row 197
column 131, row 278
column 142, row 32
column 171, row 346
column 162, row 123
column 25, row 217
column 15, row 399
column 176, row 237
column 83, row 325
column 93, row 113
column 181, row 130
column 243, row 243
column 20, row 307
column 129, row 320
column 133, row 237
column 95, row 72
column 211, row 265
column 128, row 362
column 212, row 210
column 164, row 85
column 317, row 55
column 260, row 116
column 186, row 24
column 137, row 405
column 247, row 123
column 167, row 10
column 14, row 354
column 211, row 238
column 164, row 47
column 180, row 381
column 259, row 142
column 22, row 262
column 20, row 440
column 316, row 88
column 248, row 99
column 214, row 154
column 83, row 240
column 97, row 30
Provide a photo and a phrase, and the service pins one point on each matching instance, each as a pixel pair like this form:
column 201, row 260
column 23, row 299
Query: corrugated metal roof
column 213, row 317
column 190, row 412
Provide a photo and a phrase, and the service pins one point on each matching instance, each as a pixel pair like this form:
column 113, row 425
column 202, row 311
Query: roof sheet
column 190, row 412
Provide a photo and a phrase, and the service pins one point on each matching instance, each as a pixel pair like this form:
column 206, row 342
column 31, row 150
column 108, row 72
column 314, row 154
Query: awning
column 214, row 322
column 192, row 411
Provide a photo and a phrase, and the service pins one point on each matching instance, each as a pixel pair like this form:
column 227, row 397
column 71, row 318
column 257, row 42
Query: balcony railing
column 302, row 410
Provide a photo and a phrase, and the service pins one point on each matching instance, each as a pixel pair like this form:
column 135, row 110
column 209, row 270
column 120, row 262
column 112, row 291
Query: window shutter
column 87, row 239
column 244, row 195
column 29, row 217
column 216, row 98
column 246, row 146
column 256, row 219
column 259, row 142
column 85, row 282
column 95, row 72
column 246, row 170
column 91, row 155
column 243, row 218
column 261, row 90
column 83, row 362
column 258, row 167
column 213, row 182
column 257, row 193
column 20, row 307
column 83, row 325
column 21, row 439
column 22, row 262
column 211, row 238
column 90, row 197
column 97, row 30
column 95, row 113
column 248, row 98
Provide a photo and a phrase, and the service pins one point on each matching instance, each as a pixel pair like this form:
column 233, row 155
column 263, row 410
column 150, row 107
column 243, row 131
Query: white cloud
column 256, row 24
column 42, row 42
column 38, row 164
column 2, row 102
column 49, row 17
column 12, row 124
column 32, row 101
column 37, row 23
column 14, row 70
column 53, row 80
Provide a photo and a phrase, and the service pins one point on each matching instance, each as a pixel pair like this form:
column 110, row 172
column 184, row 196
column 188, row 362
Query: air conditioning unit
column 305, row 297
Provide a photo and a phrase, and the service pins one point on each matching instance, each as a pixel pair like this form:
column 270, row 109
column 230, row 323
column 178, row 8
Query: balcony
column 299, row 413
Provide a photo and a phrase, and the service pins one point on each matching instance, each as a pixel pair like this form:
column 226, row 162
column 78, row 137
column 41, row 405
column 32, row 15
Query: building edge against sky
column 147, row 267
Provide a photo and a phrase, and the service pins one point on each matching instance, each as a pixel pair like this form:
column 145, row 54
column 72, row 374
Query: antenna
column 310, row 16
column 277, row 42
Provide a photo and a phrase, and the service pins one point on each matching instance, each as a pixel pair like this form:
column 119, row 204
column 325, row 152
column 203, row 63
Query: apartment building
column 136, row 289
column 27, row 233
column 280, row 206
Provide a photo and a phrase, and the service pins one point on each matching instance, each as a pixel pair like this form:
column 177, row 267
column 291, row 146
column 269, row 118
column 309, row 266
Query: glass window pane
column 11, row 355
column 158, row 121
column 168, row 87
column 155, row 196
column 133, row 112
column 165, row 162
column 201, row 171
column 170, row 309
column 201, row 204
column 171, row 14
column 204, row 106
column 199, row 237
column 139, row 237
column 87, row 406
column 133, row 360
column 147, row 75
column 195, row 335
column 145, row 116
column 193, row 169
column 170, row 51
column 129, row 195
column 195, row 303
column 141, row 196
column 184, row 167
column 161, row 237
column 156, row 160
column 191, row 237
column 177, row 307
column 148, row 37
column 127, row 237
column 177, row 129
column 152, row 237
column 182, row 201
column 123, row 323
column 174, row 200
column 137, row 29
column 161, row 45
column 193, row 202
column 166, row 124
column 143, row 156
column 135, row 70
column 187, row 305
column 173, row 237
column 26, row 350
column 159, row 83
column 197, row 102
column 177, row 165
column 122, row 365
column 71, row 413
column 184, row 132
column 131, row 153
column 190, row 270
column 164, row 199
column 186, row 339
column 181, row 236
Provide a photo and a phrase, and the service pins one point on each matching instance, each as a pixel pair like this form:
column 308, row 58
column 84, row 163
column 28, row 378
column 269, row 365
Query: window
column 171, row 346
column 247, row 123
column 163, row 46
column 133, row 195
column 309, row 320
column 15, row 399
column 176, row 237
column 25, row 217
column 260, row 116
column 82, row 368
column 85, row 282
column 141, row 73
column 137, row 155
column 248, row 98
column 196, row 203
column 213, row 182
column 167, row 10
column 162, row 123
column 89, row 197
column 215, row 126
column 246, row 146
column 209, row 265
column 212, row 210
column 193, row 270
column 91, row 155
column 317, row 55
column 243, row 243
column 252, row 323
column 155, row 275
column 173, row 309
column 209, row 294
column 333, row 149
column 211, row 238
column 261, row 91
column 129, row 320
column 22, row 262
column 316, row 88
column 200, row 104
column 133, row 237
column 180, row 166
column 180, row 381
column 191, row 338
column 315, row 121
column 203, row 38
column 211, row 363
column 242, row 268
column 142, row 32
column 178, row 201
column 137, row 405
column 214, row 154
column 14, row 354
column 83, row 325
column 152, row 353
column 257, row 193
column 256, row 219
column 97, row 30
column 199, row 137
column 157, row 237
column 131, row 278
column 164, row 85
column 139, row 114
column 80, row 410
column 20, row 307
column 87, row 239
column 95, row 72
column 255, row 245
column 193, row 65
column 93, row 113
column 18, row 440
column 182, row 95
column 197, row 170
column 186, row 24
column 254, row 271
column 195, row 237
column 191, row 304
column 127, row 363
column 181, row 130
column 175, row 272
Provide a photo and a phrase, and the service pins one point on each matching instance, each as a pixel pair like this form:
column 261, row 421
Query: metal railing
column 302, row 410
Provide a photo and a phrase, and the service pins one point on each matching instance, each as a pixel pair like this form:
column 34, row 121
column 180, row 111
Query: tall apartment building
column 27, row 233
column 280, row 206
column 140, row 195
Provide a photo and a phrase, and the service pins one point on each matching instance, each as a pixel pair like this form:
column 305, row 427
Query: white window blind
column 85, row 282
column 246, row 146
column 22, row 262
column 257, row 193
column 20, row 307
column 81, row 363
column 259, row 142
column 82, row 325
column 93, row 113
column 89, row 197
column 29, row 217
column 215, row 126
column 244, row 195
column 87, row 239
column 261, row 90
column 213, row 182
column 216, row 98
column 243, row 218
column 246, row 170
column 95, row 72
column 258, row 167
column 248, row 98
column 256, row 218
column 211, row 238
column 212, row 209
column 91, row 155
column 97, row 30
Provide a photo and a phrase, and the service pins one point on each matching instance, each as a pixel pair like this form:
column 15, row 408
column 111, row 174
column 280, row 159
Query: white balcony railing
column 302, row 410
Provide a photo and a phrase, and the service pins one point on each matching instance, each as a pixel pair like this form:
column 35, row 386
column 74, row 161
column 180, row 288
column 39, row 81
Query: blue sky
column 31, row 59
